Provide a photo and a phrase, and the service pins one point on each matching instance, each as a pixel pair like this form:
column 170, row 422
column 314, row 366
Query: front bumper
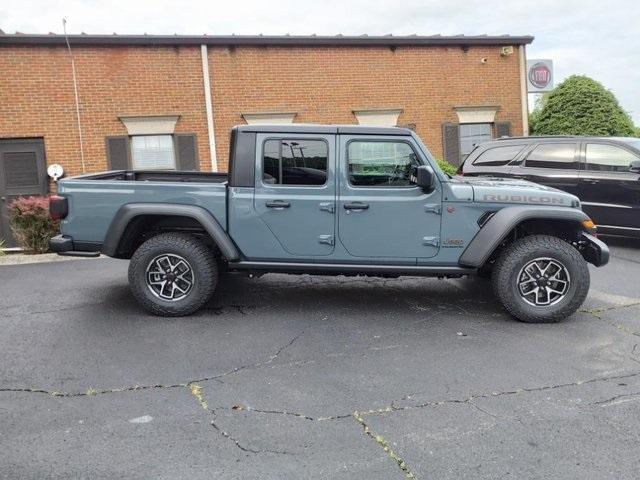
column 64, row 245
column 594, row 250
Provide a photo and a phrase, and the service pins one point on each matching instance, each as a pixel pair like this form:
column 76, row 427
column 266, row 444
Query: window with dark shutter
column 118, row 153
column 21, row 169
column 503, row 129
column 187, row 152
column 451, row 143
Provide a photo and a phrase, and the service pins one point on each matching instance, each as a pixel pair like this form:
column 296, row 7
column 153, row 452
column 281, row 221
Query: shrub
column 31, row 224
column 446, row 167
column 580, row 106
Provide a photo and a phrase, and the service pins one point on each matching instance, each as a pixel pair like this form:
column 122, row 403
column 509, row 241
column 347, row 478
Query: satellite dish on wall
column 55, row 171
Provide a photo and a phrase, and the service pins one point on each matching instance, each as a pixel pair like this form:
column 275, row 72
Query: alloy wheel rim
column 543, row 282
column 169, row 277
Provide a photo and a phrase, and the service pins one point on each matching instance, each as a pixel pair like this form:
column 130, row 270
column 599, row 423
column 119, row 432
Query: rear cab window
column 553, row 155
column 497, row 156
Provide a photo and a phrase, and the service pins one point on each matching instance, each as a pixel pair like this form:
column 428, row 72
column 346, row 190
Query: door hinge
column 433, row 208
column 325, row 239
column 431, row 241
column 327, row 207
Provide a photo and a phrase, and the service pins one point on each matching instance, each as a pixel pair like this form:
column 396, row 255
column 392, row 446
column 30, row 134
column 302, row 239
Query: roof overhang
column 270, row 40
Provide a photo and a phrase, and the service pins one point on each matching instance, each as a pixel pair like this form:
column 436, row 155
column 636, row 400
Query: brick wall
column 324, row 85
column 37, row 99
column 321, row 84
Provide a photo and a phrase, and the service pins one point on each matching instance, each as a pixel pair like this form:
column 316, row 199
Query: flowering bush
column 31, row 224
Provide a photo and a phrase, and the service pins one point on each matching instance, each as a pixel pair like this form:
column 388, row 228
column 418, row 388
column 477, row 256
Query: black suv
column 604, row 172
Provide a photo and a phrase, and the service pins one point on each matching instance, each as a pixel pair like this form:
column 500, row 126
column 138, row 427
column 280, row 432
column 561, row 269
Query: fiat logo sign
column 539, row 75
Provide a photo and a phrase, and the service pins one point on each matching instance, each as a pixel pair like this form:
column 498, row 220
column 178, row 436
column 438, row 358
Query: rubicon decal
column 524, row 199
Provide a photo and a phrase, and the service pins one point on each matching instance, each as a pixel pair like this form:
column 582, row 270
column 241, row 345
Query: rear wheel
column 540, row 279
column 173, row 274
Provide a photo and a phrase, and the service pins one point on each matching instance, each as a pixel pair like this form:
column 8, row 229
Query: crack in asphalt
column 596, row 312
column 468, row 400
column 612, row 400
column 380, row 440
column 93, row 392
column 196, row 391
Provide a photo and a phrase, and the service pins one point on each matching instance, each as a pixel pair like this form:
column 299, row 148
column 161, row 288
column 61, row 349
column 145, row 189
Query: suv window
column 294, row 162
column 552, row 155
column 608, row 158
column 498, row 156
column 380, row 163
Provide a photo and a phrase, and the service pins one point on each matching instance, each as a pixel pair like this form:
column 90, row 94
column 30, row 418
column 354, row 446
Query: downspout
column 524, row 99
column 209, row 107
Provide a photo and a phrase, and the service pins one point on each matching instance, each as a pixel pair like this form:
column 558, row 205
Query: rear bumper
column 64, row 245
column 595, row 251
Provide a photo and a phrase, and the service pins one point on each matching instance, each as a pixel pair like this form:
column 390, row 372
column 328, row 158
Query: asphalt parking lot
column 315, row 377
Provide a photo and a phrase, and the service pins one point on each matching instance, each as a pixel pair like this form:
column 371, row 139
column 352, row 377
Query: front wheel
column 173, row 274
column 541, row 279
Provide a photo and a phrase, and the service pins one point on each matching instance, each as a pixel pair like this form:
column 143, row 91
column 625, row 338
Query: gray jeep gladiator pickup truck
column 319, row 199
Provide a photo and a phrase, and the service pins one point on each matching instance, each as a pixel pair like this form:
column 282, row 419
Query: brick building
column 169, row 101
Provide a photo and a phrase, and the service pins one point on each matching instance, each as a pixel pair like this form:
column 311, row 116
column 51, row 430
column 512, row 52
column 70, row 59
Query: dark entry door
column 22, row 173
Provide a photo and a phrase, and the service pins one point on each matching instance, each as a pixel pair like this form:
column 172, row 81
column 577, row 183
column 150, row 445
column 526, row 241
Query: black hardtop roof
column 324, row 129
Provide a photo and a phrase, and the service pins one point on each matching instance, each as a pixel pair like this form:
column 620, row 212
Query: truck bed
column 157, row 176
column 94, row 199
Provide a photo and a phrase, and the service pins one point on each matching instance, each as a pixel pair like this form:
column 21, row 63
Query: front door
column 609, row 192
column 295, row 192
column 22, row 174
column 381, row 212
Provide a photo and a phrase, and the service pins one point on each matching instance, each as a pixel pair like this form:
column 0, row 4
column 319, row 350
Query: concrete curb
column 24, row 259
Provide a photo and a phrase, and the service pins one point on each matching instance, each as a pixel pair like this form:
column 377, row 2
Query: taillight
column 58, row 207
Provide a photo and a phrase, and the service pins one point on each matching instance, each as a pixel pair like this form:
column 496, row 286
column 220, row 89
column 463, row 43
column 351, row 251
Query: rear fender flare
column 493, row 233
column 129, row 211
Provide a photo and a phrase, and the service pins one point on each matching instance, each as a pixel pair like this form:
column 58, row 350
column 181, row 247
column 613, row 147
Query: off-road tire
column 512, row 260
column 199, row 257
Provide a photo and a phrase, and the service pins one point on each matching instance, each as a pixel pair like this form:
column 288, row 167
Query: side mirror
column 634, row 167
column 425, row 177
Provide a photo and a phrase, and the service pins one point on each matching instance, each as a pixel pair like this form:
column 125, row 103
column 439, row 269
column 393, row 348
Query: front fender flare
column 129, row 211
column 504, row 221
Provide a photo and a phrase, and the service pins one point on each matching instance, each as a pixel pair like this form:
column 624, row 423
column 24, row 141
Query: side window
column 472, row 135
column 608, row 158
column 295, row 162
column 379, row 163
column 552, row 155
column 498, row 156
column 153, row 152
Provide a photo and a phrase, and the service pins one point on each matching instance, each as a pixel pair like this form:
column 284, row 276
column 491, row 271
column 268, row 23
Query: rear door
column 609, row 192
column 554, row 164
column 295, row 191
column 22, row 173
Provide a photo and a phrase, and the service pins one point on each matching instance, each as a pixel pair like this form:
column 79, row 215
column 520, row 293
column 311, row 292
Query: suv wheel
column 540, row 279
column 173, row 274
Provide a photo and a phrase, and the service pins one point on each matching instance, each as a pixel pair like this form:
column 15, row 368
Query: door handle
column 278, row 204
column 356, row 206
column 591, row 181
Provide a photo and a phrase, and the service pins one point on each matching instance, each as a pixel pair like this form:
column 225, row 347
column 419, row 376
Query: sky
column 594, row 38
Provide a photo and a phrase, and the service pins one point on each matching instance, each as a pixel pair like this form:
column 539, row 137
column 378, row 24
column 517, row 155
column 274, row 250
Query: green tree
column 580, row 106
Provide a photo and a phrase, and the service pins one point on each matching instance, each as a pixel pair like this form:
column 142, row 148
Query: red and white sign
column 539, row 76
